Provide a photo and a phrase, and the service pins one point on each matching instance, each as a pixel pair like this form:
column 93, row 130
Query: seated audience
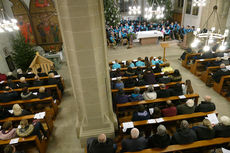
column 138, row 71
column 119, row 84
column 140, row 81
column 206, row 105
column 11, row 84
column 19, row 73
column 136, row 96
column 221, row 72
column 52, row 80
column 157, row 68
column 170, row 109
column 42, row 93
column 117, row 73
column 204, row 131
column 139, row 63
column 163, row 92
column 135, row 143
column 10, row 76
column 23, row 83
column 184, row 135
column 37, row 82
column 141, row 114
column 40, row 73
column 116, row 65
column 129, row 63
column 11, row 149
column 187, row 108
column 4, row 113
column 156, row 113
column 129, row 72
column 100, row 145
column 130, row 82
column 187, row 87
column 31, row 129
column 165, row 79
column 26, row 94
column 18, row 111
column 161, row 139
column 121, row 97
column 176, row 76
column 150, row 94
column 147, row 63
column 52, row 70
column 149, row 76
column 167, row 68
column 7, row 132
column 3, row 77
column 29, row 73
column 8, row 95
column 222, row 129
column 177, row 89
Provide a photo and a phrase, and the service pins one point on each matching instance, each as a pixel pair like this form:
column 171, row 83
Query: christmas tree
column 112, row 13
column 23, row 53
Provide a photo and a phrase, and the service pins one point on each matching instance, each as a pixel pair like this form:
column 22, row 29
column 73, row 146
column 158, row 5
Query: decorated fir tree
column 112, row 13
column 23, row 53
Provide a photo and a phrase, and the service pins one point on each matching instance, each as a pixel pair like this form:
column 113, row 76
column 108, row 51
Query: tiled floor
column 64, row 138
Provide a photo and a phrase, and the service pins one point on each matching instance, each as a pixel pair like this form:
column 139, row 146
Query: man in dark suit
column 221, row 72
column 206, row 105
column 8, row 95
column 37, row 82
column 29, row 73
column 52, row 80
column 163, row 92
column 23, row 83
column 135, row 143
column 40, row 74
column 100, row 145
column 165, row 79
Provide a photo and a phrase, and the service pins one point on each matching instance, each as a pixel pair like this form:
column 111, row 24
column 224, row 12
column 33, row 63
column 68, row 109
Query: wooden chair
column 180, row 148
column 188, row 57
column 198, row 63
column 110, row 45
column 219, row 86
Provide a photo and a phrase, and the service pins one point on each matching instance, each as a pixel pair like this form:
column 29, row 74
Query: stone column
column 83, row 32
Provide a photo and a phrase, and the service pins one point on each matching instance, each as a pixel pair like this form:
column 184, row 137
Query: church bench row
column 135, row 76
column 188, row 57
column 143, row 67
column 47, row 120
column 195, row 145
column 146, row 86
column 206, row 77
column 124, row 61
column 40, row 145
column 198, row 64
column 47, row 87
column 218, row 87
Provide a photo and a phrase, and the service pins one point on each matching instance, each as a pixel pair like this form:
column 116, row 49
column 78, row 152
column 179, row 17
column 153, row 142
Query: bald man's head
column 134, row 133
column 102, row 138
column 207, row 98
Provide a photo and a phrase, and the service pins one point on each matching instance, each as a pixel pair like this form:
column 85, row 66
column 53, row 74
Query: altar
column 149, row 37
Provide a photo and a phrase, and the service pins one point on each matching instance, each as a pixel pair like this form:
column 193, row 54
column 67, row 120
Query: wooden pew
column 48, row 100
column 146, row 86
column 135, row 76
column 197, row 64
column 218, row 86
column 40, row 145
column 188, row 57
column 179, row 148
column 169, row 119
column 48, row 87
column 205, row 76
column 48, row 121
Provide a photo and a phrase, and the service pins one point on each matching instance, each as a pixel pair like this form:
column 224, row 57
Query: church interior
column 114, row 76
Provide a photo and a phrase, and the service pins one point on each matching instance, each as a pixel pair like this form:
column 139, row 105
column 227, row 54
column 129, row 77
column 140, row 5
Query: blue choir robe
column 116, row 66
column 112, row 39
column 167, row 31
column 140, row 64
column 131, row 65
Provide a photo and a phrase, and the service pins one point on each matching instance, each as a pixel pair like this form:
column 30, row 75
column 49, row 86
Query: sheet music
column 159, row 120
column 127, row 125
column 151, row 121
column 13, row 141
column 182, row 96
column 151, row 110
column 212, row 118
column 225, row 150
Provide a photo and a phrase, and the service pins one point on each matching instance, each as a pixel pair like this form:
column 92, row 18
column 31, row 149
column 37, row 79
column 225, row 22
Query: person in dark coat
column 161, row 139
column 129, row 72
column 4, row 113
column 40, row 73
column 157, row 68
column 23, row 83
column 52, row 80
column 8, row 95
column 100, row 145
column 184, row 135
column 176, row 76
column 163, row 92
column 140, row 81
column 135, row 143
column 141, row 114
column 170, row 109
column 206, row 105
column 187, row 108
column 18, row 111
column 19, row 73
column 177, row 89
column 52, row 70
column 223, row 128
column 29, row 73
column 121, row 97
column 205, row 131
column 221, row 72
column 42, row 93
column 10, row 76
column 118, row 73
column 207, row 55
column 156, row 113
column 130, row 82
column 26, row 94
column 165, row 79
column 149, row 76
column 138, row 71
column 11, row 149
column 12, row 84
column 37, row 82
column 136, row 96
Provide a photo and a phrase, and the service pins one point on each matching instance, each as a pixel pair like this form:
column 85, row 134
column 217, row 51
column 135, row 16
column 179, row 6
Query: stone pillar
column 83, row 32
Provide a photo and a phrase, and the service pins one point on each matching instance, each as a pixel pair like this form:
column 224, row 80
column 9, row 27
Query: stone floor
column 64, row 138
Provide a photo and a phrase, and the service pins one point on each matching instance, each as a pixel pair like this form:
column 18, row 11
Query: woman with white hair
column 204, row 131
column 150, row 94
column 19, row 73
column 223, row 128
column 161, row 139
column 184, row 135
column 187, row 108
column 18, row 111
column 10, row 76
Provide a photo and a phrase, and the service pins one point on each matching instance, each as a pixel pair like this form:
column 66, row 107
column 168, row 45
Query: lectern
column 164, row 45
